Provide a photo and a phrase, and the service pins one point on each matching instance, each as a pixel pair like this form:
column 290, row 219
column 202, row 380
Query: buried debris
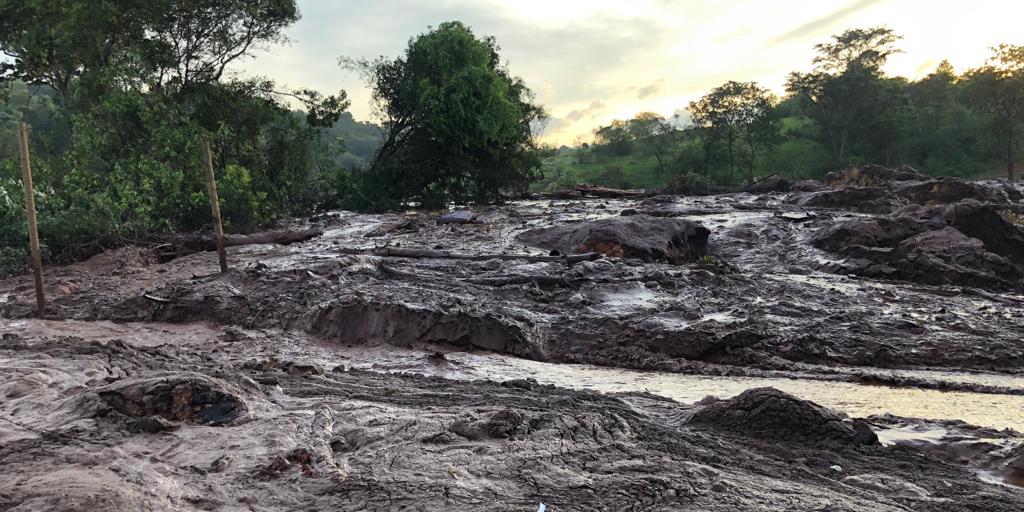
column 190, row 399
column 457, row 217
column 644, row 237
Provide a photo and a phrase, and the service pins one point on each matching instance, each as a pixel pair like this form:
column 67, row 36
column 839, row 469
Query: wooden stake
column 218, row 228
column 30, row 213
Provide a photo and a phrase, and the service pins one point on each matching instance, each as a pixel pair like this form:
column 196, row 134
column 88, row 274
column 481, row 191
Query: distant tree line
column 846, row 110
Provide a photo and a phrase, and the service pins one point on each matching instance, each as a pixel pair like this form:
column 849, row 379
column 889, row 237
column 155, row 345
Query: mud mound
column 773, row 183
column 865, row 200
column 190, row 399
column 648, row 238
column 403, row 325
column 950, row 190
column 506, row 424
column 876, row 189
column 770, row 414
column 870, row 175
column 967, row 243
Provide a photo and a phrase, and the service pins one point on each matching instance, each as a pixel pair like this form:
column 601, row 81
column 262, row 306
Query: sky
column 592, row 61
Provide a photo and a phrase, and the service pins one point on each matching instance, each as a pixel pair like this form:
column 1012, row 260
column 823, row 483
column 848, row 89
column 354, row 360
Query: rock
column 457, row 217
column 648, row 238
column 770, row 414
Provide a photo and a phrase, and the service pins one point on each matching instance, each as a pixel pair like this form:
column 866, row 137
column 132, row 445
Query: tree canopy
column 459, row 126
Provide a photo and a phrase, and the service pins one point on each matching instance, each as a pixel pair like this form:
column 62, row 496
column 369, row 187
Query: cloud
column 592, row 111
column 831, row 19
column 651, row 90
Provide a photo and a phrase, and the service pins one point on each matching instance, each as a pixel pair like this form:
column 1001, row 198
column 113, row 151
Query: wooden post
column 215, row 207
column 30, row 213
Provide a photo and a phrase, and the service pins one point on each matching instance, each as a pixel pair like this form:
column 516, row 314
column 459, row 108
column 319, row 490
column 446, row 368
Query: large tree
column 459, row 126
column 139, row 85
column 845, row 87
column 738, row 113
column 653, row 133
column 997, row 89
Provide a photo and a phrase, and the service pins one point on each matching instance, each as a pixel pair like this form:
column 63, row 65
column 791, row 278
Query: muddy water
column 988, row 410
column 982, row 409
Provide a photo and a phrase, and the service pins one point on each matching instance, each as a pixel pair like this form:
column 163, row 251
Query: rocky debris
column 644, row 237
column 773, row 183
column 457, row 217
column 191, row 399
column 966, row 243
column 769, row 414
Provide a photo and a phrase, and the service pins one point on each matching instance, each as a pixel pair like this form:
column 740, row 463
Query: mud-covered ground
column 351, row 372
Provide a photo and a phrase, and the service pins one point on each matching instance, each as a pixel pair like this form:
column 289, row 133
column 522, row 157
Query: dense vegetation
column 120, row 97
column 459, row 126
column 845, row 111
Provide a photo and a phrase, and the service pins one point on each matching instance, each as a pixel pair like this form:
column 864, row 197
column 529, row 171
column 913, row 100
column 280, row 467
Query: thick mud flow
column 800, row 351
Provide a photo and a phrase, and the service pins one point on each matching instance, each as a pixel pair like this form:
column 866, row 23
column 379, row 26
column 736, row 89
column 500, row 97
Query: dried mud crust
column 330, row 438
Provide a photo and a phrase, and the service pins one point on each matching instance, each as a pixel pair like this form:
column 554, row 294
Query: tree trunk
column 1009, row 154
column 750, row 164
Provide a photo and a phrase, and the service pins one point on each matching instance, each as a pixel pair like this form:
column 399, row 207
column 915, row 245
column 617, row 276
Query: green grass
column 631, row 171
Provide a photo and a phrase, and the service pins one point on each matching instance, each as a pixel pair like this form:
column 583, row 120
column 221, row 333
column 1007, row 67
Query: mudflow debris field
column 847, row 345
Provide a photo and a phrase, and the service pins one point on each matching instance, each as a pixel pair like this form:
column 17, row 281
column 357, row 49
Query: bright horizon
column 589, row 62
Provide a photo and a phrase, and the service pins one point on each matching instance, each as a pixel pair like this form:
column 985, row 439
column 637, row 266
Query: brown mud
column 332, row 373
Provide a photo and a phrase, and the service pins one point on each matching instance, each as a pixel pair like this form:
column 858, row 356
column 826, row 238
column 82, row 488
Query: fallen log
column 183, row 244
column 582, row 191
column 399, row 252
